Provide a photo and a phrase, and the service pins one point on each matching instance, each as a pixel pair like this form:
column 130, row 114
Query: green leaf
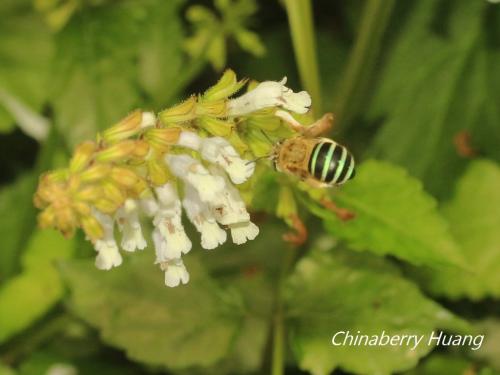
column 439, row 364
column 343, row 291
column 393, row 216
column 490, row 350
column 474, row 218
column 160, row 56
column 28, row 296
column 26, row 49
column 439, row 80
column 95, row 84
column 4, row 370
column 15, row 200
column 193, row 325
column 253, row 271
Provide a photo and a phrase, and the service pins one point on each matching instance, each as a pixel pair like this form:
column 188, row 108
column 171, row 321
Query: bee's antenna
column 257, row 159
column 267, row 137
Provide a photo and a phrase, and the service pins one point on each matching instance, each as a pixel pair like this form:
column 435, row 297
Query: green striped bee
column 321, row 162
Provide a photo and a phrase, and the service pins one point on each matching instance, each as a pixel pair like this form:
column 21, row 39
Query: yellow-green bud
column 216, row 108
column 139, row 187
column 141, row 149
column 92, row 227
column 264, row 120
column 124, row 129
column 124, row 176
column 89, row 193
column 83, row 154
column 157, row 171
column 225, row 87
column 215, row 126
column 258, row 142
column 106, row 206
column 46, row 218
column 237, row 143
column 116, row 152
column 95, row 172
column 162, row 139
column 81, row 208
column 113, row 192
column 180, row 113
column 65, row 221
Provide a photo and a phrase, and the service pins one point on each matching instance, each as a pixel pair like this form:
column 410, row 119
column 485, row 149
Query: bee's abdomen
column 331, row 163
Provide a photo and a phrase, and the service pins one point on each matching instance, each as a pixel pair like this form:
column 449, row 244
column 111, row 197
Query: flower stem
column 278, row 331
column 300, row 19
column 362, row 59
column 278, row 360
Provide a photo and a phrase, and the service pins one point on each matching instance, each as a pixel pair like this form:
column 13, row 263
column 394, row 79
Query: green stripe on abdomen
column 327, row 162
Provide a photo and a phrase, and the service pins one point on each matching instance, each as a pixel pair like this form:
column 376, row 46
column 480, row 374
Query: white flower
column 199, row 214
column 127, row 218
column 175, row 272
column 149, row 206
column 148, row 119
column 270, row 94
column 219, row 151
column 108, row 255
column 241, row 232
column 169, row 237
column 190, row 140
column 192, row 172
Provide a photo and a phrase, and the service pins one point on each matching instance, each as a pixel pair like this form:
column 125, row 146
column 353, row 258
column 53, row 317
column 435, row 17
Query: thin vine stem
column 375, row 18
column 301, row 22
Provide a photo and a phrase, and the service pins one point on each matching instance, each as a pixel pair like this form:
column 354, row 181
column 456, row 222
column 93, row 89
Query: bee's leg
column 342, row 213
column 321, row 126
column 300, row 235
column 288, row 118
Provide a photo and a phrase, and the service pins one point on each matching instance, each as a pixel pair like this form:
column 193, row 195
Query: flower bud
column 95, row 173
column 215, row 108
column 141, row 149
column 139, row 188
column 65, row 221
column 46, row 218
column 81, row 208
column 215, row 126
column 180, row 113
column 225, row 87
column 106, row 206
column 237, row 143
column 92, row 227
column 157, row 171
column 124, row 129
column 89, row 194
column 82, row 156
column 116, row 152
column 162, row 139
column 113, row 192
column 124, row 176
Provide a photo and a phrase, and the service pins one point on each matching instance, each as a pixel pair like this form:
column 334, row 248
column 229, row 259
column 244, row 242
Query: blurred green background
column 415, row 87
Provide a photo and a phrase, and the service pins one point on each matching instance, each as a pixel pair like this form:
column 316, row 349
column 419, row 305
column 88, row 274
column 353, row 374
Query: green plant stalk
column 376, row 16
column 278, row 324
column 300, row 19
column 278, row 355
